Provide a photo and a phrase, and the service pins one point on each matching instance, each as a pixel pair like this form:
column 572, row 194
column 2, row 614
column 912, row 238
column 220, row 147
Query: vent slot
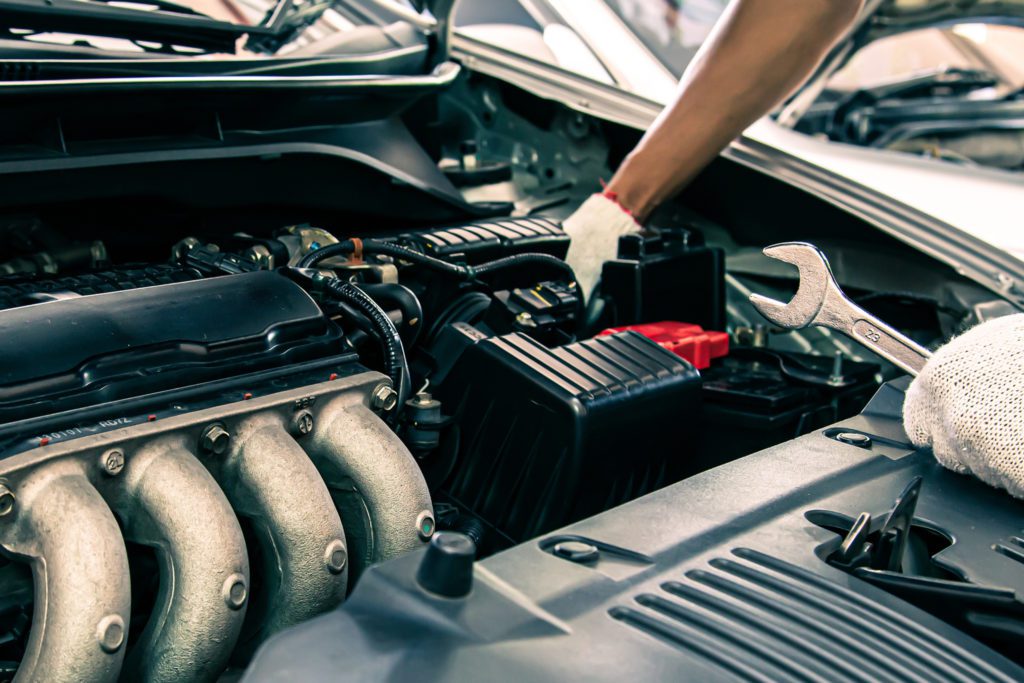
column 761, row 617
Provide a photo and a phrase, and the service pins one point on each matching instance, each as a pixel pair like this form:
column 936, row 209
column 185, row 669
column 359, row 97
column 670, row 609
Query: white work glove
column 595, row 229
column 968, row 404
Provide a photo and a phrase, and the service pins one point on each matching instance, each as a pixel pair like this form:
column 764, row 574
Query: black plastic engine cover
column 548, row 436
column 721, row 577
column 60, row 355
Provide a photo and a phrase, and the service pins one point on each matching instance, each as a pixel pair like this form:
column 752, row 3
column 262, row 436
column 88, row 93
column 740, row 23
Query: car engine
column 197, row 454
column 214, row 420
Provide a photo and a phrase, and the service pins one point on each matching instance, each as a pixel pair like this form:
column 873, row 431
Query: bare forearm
column 760, row 51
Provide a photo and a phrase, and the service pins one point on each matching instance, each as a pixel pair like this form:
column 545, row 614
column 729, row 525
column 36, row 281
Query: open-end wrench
column 820, row 301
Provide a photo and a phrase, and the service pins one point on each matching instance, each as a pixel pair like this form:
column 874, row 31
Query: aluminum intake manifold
column 279, row 466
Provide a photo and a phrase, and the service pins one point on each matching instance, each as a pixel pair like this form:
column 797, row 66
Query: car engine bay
column 233, row 386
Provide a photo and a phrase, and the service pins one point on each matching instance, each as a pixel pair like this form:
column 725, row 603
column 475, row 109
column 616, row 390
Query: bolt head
column 112, row 462
column 336, row 556
column 384, row 398
column 425, row 525
column 215, row 439
column 235, row 591
column 302, row 423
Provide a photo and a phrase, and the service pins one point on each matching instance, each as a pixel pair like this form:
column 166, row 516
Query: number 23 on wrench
column 820, row 302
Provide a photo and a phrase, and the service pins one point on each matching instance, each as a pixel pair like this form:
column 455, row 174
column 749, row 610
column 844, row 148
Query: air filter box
column 549, row 436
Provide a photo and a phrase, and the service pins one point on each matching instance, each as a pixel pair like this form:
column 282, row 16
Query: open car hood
column 882, row 18
column 885, row 17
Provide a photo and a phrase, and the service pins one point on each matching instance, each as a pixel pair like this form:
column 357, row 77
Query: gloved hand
column 967, row 404
column 595, row 229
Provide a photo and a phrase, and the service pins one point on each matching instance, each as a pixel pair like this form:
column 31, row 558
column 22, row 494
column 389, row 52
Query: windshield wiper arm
column 169, row 24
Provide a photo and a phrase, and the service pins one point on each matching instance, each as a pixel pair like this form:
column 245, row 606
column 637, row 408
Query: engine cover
column 87, row 350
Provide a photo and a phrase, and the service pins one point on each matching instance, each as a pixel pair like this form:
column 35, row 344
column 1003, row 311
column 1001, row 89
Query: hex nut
column 112, row 462
column 336, row 556
column 6, row 500
column 384, row 397
column 302, row 423
column 215, row 439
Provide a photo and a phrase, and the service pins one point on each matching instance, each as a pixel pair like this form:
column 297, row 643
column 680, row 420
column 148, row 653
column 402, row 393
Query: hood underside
column 886, row 17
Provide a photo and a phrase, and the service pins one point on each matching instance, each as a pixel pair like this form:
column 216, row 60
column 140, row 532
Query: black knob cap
column 447, row 566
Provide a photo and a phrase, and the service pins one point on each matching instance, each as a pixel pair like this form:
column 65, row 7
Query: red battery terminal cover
column 688, row 341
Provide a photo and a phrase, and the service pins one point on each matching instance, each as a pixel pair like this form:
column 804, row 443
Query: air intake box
column 549, row 436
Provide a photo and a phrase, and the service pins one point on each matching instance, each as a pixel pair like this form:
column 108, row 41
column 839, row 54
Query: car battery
column 665, row 275
column 764, row 397
column 686, row 340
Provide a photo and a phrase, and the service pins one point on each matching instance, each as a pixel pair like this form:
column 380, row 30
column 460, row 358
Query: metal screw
column 425, row 524
column 525, row 319
column 110, row 633
column 836, row 378
column 215, row 439
column 112, row 462
column 181, row 249
column 384, row 397
column 6, row 500
column 302, row 423
column 760, row 339
column 235, row 591
column 260, row 255
column 336, row 557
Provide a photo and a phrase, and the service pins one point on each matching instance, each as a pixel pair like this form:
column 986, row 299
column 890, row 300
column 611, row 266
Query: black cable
column 311, row 259
column 316, row 256
column 396, row 365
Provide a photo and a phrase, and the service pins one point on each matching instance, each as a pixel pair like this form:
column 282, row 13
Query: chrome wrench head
column 815, row 281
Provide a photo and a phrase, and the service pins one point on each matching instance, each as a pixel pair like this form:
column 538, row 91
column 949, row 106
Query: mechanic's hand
column 967, row 404
column 595, row 229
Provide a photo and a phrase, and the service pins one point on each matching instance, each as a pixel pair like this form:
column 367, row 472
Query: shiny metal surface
column 272, row 482
column 185, row 501
column 61, row 525
column 819, row 301
column 373, row 478
column 169, row 502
